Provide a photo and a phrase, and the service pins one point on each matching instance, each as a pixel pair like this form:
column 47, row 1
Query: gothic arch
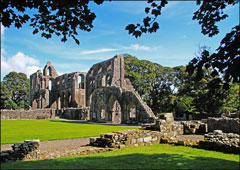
column 100, row 109
column 115, row 110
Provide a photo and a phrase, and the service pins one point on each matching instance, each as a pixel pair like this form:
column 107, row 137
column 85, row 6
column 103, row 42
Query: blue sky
column 175, row 43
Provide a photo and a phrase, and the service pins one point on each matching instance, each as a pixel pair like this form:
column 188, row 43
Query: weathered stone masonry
column 112, row 98
column 27, row 114
column 108, row 95
column 28, row 150
column 48, row 90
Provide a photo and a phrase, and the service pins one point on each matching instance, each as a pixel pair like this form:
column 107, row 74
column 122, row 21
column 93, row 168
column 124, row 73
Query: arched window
column 50, row 85
column 69, row 100
column 104, row 81
column 59, row 102
column 49, row 71
column 80, row 81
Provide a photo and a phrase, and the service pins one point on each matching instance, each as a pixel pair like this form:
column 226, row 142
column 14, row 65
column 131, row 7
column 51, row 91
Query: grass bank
column 160, row 156
column 13, row 131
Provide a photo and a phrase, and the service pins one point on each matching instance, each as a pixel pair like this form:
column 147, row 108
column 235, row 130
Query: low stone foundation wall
column 226, row 124
column 27, row 114
column 128, row 138
column 219, row 141
column 29, row 150
column 76, row 113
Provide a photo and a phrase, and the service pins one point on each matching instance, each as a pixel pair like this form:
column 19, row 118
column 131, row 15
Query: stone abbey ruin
column 103, row 94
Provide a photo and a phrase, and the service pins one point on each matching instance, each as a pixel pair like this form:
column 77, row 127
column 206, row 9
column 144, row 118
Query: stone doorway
column 117, row 116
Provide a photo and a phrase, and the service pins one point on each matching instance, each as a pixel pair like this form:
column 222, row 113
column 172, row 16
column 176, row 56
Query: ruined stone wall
column 76, row 113
column 219, row 141
column 49, row 90
column 27, row 114
column 29, row 150
column 68, row 91
column 167, row 126
column 112, row 98
column 195, row 127
column 128, row 138
column 226, row 124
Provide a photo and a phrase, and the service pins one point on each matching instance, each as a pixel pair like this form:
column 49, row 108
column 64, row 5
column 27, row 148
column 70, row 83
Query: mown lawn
column 13, row 131
column 160, row 156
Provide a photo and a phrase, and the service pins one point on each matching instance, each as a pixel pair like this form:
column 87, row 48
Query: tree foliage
column 14, row 91
column 62, row 18
column 167, row 89
column 224, row 62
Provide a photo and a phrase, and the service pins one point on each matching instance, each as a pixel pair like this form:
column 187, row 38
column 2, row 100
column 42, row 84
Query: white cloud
column 3, row 51
column 19, row 63
column 102, row 50
column 137, row 47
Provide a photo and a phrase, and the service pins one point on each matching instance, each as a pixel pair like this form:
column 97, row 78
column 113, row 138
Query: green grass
column 160, row 156
column 13, row 131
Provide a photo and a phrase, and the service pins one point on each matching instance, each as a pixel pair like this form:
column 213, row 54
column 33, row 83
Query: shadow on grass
column 130, row 161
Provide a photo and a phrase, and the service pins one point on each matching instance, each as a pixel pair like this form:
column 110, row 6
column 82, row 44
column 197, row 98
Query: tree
column 14, row 91
column 49, row 17
column 231, row 101
column 184, row 104
column 156, row 84
column 167, row 89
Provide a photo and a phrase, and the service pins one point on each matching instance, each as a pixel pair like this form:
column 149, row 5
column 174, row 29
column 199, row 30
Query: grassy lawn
column 13, row 131
column 160, row 156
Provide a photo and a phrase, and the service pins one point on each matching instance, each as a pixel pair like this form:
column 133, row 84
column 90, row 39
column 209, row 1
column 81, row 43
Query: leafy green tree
column 14, row 91
column 206, row 99
column 184, row 104
column 155, row 83
column 167, row 89
column 232, row 100
column 141, row 73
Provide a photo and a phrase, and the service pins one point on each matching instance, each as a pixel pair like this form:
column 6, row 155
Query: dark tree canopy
column 62, row 18
column 65, row 17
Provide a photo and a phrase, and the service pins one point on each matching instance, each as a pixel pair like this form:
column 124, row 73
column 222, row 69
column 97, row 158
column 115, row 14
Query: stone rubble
column 219, row 141
column 28, row 150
